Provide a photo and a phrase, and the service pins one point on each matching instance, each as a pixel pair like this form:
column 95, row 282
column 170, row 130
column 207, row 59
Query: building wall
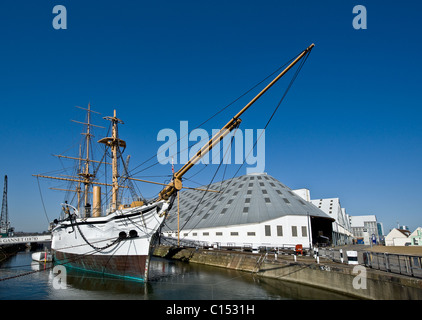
column 396, row 238
column 416, row 237
column 364, row 227
column 303, row 193
column 281, row 232
column 341, row 225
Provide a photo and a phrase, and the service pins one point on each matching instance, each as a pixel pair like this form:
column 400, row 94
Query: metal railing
column 238, row 246
column 395, row 263
column 336, row 255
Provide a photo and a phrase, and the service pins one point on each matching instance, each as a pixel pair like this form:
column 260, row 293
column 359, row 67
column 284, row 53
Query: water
column 169, row 280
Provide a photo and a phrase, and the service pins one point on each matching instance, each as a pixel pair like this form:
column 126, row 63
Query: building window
column 279, row 231
column 267, row 200
column 218, row 233
column 185, row 234
column 248, row 200
column 194, row 234
column 251, row 233
column 304, row 231
column 234, row 233
column 268, row 231
column 294, row 231
column 205, row 233
column 245, row 209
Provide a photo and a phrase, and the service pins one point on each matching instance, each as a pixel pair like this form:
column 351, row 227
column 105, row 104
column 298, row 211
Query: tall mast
column 86, row 175
column 4, row 219
column 78, row 187
column 114, row 143
column 84, row 161
column 176, row 184
column 88, row 136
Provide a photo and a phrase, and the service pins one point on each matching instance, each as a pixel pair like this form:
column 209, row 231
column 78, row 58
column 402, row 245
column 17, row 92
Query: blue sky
column 350, row 127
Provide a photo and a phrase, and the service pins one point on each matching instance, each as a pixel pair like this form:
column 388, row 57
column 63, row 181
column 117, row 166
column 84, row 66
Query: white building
column 254, row 210
column 416, row 237
column 341, row 226
column 398, row 237
column 365, row 227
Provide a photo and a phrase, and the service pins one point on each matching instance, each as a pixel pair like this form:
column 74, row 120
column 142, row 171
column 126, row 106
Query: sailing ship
column 120, row 241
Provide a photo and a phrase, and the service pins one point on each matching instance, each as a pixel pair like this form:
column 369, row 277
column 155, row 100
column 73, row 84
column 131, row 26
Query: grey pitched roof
column 251, row 198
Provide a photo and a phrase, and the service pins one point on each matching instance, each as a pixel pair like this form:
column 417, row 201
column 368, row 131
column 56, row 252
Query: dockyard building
column 398, row 237
column 342, row 234
column 366, row 229
column 254, row 210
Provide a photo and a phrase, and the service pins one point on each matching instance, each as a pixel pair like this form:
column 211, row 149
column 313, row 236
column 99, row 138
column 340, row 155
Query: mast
column 114, row 143
column 176, row 184
column 78, row 187
column 86, row 177
column 4, row 219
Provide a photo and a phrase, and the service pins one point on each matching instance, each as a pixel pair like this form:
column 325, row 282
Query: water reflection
column 169, row 280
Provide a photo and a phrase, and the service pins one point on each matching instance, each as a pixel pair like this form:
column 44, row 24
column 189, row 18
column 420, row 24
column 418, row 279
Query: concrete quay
column 354, row 280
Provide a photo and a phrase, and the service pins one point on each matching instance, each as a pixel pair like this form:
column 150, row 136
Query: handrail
column 410, row 265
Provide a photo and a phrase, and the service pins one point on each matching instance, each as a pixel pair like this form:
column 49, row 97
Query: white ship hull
column 118, row 244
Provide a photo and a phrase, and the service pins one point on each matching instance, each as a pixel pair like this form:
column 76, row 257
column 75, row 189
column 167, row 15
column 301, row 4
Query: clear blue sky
column 351, row 126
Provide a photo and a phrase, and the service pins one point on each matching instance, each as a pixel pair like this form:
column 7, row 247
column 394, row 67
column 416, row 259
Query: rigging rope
column 98, row 249
column 214, row 115
column 203, row 194
column 42, row 200
column 266, row 125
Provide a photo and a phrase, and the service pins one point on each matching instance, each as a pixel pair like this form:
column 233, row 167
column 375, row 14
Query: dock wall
column 360, row 282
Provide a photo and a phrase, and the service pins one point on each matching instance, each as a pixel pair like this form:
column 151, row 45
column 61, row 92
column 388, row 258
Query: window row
column 304, row 230
column 279, row 232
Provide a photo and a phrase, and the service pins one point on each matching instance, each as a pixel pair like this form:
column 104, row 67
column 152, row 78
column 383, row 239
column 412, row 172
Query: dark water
column 24, row 279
